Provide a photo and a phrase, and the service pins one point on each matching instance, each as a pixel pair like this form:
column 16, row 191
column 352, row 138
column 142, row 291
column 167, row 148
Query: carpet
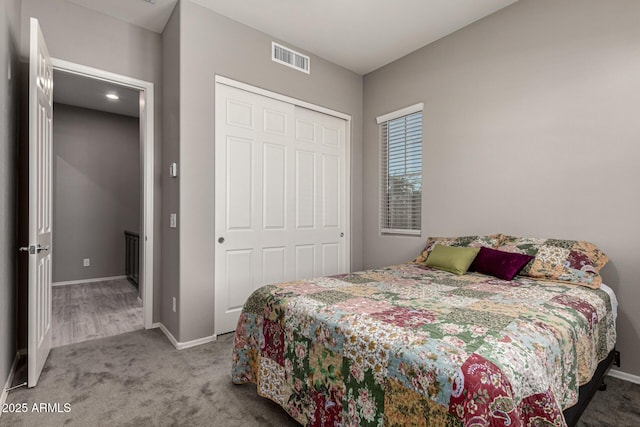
column 140, row 379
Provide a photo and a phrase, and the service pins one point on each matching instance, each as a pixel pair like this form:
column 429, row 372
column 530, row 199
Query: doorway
column 127, row 295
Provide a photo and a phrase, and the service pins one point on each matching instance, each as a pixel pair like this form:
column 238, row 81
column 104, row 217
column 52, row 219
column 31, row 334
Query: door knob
column 341, row 234
column 32, row 249
column 221, row 240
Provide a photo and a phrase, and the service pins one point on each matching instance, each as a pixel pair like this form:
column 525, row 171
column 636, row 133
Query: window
column 401, row 171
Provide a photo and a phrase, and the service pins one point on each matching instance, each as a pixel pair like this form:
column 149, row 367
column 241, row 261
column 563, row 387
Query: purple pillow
column 503, row 265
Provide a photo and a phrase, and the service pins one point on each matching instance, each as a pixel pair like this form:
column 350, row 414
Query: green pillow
column 453, row 259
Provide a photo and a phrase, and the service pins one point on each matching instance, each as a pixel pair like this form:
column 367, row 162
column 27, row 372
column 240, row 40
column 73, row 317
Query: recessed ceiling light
column 113, row 96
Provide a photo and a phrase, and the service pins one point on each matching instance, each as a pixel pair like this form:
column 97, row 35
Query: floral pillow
column 569, row 261
column 491, row 241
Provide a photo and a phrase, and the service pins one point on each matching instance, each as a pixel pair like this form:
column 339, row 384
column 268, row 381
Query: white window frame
column 381, row 121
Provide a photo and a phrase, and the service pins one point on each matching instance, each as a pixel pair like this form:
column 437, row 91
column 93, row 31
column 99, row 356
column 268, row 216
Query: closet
column 280, row 194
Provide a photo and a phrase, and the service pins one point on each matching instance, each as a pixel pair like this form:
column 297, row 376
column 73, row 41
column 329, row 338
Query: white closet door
column 279, row 191
column 319, row 206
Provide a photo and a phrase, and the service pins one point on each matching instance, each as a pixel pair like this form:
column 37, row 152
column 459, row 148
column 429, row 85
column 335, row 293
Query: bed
column 413, row 344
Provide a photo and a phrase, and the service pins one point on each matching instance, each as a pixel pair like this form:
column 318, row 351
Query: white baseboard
column 95, row 279
column 7, row 385
column 168, row 334
column 193, row 343
column 183, row 345
column 624, row 376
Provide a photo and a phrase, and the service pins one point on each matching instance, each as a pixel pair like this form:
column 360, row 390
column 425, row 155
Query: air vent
column 290, row 58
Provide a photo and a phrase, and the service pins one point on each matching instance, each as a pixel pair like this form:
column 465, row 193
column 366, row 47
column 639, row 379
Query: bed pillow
column 453, row 259
column 492, row 241
column 567, row 261
column 500, row 264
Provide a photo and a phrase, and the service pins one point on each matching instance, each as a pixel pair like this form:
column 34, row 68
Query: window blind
column 401, row 177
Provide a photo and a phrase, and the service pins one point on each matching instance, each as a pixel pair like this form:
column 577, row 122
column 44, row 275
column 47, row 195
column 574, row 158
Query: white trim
column 347, row 196
column 96, row 73
column 182, row 345
column 624, row 376
column 400, row 113
column 167, row 333
column 147, row 119
column 95, row 279
column 7, row 384
column 254, row 89
column 400, row 231
column 193, row 343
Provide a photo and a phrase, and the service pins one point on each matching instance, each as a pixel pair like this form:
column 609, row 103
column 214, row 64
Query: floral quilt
column 408, row 345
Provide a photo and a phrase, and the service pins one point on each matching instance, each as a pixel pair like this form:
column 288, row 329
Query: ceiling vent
column 290, row 58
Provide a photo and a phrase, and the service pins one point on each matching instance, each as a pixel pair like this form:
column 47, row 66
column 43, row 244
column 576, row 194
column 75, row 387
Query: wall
column 9, row 99
column 77, row 34
column 211, row 44
column 531, row 128
column 170, row 154
column 96, row 191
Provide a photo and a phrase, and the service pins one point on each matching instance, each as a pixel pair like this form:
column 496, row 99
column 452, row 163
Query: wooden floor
column 89, row 311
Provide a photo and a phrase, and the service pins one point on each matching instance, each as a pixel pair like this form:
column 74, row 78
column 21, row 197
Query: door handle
column 32, row 249
column 221, row 240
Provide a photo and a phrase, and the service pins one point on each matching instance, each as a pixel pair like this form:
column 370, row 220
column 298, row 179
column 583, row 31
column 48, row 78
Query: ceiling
column 79, row 91
column 360, row 35
column 152, row 16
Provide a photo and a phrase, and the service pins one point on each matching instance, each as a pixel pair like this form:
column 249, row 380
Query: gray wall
column 96, row 191
column 211, row 44
column 77, row 34
column 170, row 154
column 531, row 128
column 9, row 96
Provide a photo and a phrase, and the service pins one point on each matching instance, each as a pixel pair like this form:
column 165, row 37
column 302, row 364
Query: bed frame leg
column 616, row 361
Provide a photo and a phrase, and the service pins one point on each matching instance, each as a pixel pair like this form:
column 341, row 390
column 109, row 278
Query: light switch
column 173, row 220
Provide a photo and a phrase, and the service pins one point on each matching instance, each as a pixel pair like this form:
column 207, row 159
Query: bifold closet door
column 279, row 193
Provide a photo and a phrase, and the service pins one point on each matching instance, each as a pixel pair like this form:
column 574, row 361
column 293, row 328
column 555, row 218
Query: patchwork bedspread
column 408, row 345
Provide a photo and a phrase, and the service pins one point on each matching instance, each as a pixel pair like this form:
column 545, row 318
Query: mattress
column 613, row 298
column 409, row 345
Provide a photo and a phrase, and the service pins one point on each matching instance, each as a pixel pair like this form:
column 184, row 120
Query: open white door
column 40, row 167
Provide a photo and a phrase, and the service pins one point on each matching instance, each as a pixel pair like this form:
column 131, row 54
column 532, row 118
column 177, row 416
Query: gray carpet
column 139, row 379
